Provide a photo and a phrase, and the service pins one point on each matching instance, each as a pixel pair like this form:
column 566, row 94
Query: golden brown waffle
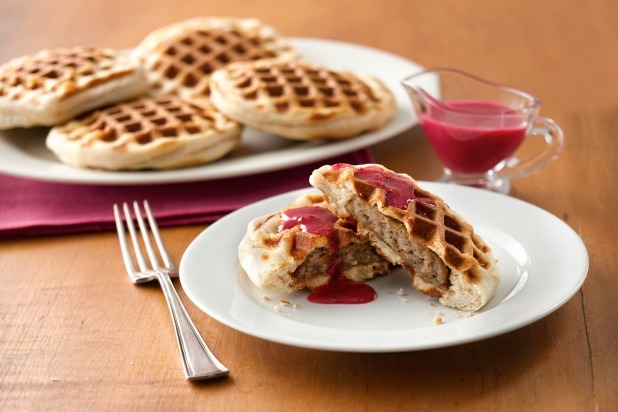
column 299, row 100
column 294, row 259
column 413, row 228
column 181, row 57
column 53, row 86
column 163, row 133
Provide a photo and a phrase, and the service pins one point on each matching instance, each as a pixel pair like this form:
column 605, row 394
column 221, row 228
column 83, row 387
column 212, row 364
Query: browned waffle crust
column 293, row 259
column 168, row 132
column 181, row 57
column 52, row 86
column 301, row 101
column 436, row 246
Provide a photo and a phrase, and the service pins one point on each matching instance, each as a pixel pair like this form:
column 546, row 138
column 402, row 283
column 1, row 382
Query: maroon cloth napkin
column 31, row 207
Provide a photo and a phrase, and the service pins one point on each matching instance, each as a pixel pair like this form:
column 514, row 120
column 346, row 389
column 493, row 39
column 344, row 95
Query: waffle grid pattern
column 432, row 224
column 294, row 86
column 55, row 70
column 198, row 53
column 146, row 120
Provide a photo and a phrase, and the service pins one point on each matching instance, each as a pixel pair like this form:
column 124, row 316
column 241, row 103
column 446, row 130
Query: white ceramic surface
column 542, row 260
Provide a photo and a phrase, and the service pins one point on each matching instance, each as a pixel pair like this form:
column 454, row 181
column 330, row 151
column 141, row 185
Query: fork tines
column 168, row 265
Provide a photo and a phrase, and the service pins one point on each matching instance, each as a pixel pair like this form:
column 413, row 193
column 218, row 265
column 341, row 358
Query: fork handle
column 197, row 360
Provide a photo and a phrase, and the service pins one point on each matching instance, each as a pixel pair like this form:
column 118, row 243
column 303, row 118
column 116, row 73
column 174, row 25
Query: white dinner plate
column 23, row 152
column 541, row 259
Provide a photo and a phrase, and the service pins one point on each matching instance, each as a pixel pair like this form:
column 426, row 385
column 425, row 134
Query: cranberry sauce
column 399, row 192
column 473, row 136
column 311, row 219
column 320, row 221
column 342, row 290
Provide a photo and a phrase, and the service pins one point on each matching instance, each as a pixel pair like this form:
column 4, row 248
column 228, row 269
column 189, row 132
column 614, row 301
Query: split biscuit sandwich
column 415, row 229
column 305, row 246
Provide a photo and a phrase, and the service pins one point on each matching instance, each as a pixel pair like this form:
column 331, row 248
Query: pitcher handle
column 554, row 138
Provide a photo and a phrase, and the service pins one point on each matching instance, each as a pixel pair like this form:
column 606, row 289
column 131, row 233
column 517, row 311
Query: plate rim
column 575, row 286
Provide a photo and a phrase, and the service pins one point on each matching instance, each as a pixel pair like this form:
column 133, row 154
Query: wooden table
column 75, row 335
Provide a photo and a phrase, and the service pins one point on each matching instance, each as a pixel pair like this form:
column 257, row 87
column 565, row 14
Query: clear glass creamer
column 476, row 126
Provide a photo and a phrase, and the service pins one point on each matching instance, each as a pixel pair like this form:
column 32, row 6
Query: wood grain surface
column 76, row 335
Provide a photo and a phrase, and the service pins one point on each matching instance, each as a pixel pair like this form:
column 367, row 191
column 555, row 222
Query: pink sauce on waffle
column 320, row 221
column 399, row 192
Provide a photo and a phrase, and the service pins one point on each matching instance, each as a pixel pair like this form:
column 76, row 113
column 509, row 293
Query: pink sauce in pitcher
column 471, row 136
column 320, row 221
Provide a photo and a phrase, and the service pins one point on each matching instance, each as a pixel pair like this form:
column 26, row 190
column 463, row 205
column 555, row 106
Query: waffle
column 293, row 259
column 52, row 86
column 180, row 58
column 301, row 101
column 164, row 133
column 415, row 229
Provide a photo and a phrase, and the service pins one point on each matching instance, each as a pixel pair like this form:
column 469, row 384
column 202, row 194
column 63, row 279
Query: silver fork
column 197, row 360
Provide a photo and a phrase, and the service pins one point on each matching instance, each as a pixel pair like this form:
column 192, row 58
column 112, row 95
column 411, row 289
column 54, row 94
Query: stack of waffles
column 182, row 96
